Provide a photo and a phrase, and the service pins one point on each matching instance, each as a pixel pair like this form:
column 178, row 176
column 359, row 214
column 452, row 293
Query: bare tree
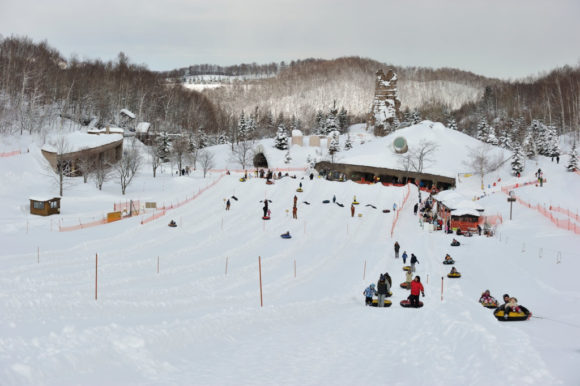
column 242, row 153
column 63, row 167
column 127, row 167
column 483, row 160
column 180, row 151
column 406, row 161
column 205, row 159
column 85, row 165
column 421, row 156
column 101, row 172
column 155, row 159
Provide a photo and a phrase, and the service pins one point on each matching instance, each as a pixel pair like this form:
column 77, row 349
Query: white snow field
column 193, row 323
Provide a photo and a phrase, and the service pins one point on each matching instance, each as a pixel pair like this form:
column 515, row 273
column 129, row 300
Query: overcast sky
column 499, row 38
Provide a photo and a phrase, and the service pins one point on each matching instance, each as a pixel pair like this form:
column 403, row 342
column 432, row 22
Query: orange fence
column 10, row 154
column 396, row 218
column 506, row 189
column 81, row 225
column 567, row 212
column 126, row 206
column 162, row 210
column 562, row 224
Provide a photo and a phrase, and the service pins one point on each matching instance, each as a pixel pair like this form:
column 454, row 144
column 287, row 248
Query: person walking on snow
column 295, row 200
column 404, row 257
column 382, row 290
column 416, row 209
column 369, row 292
column 351, row 210
column 416, row 288
column 228, row 204
column 295, row 213
column 397, row 247
column 413, row 262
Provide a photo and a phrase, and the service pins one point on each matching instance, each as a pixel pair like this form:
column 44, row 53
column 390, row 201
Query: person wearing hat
column 369, row 292
column 382, row 290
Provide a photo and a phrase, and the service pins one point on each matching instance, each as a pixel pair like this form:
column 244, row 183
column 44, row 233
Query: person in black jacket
column 382, row 290
column 397, row 247
column 413, row 262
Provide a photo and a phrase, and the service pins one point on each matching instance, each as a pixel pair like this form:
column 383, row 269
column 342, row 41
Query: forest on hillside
column 38, row 84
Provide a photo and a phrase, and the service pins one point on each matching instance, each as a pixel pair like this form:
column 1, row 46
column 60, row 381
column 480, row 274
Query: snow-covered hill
column 198, row 319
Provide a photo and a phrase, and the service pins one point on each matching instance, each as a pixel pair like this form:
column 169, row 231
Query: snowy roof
column 78, row 141
column 128, row 113
column 142, row 127
column 297, row 133
column 43, row 198
column 457, row 202
column 464, row 212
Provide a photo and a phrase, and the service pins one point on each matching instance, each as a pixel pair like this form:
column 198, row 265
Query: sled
column 375, row 303
column 326, row 201
column 299, row 190
column 406, row 268
column 386, row 211
column 490, row 305
column 405, row 285
column 512, row 316
column 447, row 262
column 454, row 275
column 407, row 304
column 265, row 217
column 285, row 236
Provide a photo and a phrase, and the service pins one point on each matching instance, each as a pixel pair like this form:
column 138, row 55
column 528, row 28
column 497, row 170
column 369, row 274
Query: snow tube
column 454, row 275
column 371, row 205
column 406, row 268
column 405, row 285
column 242, row 179
column 285, row 236
column 447, row 262
column 326, row 201
column 455, row 245
column 306, row 202
column 339, row 204
column 299, row 190
column 235, row 198
column 269, row 182
column 375, row 303
column 407, row 304
column 172, row 225
column 512, row 316
column 266, row 218
column 490, row 305
column 386, row 211
column 355, row 203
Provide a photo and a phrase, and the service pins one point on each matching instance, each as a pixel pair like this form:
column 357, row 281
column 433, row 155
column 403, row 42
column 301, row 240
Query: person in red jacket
column 416, row 288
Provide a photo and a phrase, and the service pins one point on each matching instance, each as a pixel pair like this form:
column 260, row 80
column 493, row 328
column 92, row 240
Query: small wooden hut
column 44, row 206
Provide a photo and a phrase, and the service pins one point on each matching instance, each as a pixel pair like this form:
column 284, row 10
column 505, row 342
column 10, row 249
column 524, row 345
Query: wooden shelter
column 43, row 206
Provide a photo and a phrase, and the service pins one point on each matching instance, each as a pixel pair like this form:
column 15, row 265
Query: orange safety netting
column 81, row 225
column 10, row 154
column 126, row 206
column 562, row 224
column 396, row 218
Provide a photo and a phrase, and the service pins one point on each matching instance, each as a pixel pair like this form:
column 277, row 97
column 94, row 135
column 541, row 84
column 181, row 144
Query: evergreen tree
column 320, row 123
column 452, row 124
column 530, row 149
column 505, row 140
column 517, row 160
column 490, row 137
column 163, row 146
column 482, row 130
column 222, row 138
column 416, row 117
column 331, row 122
column 573, row 160
column 281, row 140
column 348, row 143
column 342, row 119
column 334, row 146
column 202, row 138
column 243, row 131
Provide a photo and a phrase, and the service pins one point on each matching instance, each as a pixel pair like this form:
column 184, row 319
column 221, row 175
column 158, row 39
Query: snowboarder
column 404, row 257
column 351, row 210
column 228, row 204
column 416, row 209
column 382, row 290
column 369, row 292
column 416, row 288
column 413, row 262
column 295, row 212
column 397, row 247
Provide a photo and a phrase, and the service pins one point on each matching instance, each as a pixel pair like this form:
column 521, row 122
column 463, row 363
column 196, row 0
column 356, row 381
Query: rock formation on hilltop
column 384, row 115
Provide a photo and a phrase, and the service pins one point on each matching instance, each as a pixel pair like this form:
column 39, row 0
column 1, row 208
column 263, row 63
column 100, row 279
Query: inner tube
column 339, row 204
column 407, row 268
column 407, row 304
column 447, row 262
column 489, row 305
column 326, row 201
column 285, row 236
column 372, row 206
column 355, row 203
column 375, row 303
column 454, row 275
column 306, row 202
column 455, row 245
column 405, row 285
column 269, row 182
column 299, row 190
column 242, row 179
column 512, row 316
column 266, row 218
column 386, row 211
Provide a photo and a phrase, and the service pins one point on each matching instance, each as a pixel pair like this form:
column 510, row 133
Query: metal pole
column 260, row 271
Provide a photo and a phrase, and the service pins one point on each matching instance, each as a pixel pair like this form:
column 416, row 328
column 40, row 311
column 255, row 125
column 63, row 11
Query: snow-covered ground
column 199, row 320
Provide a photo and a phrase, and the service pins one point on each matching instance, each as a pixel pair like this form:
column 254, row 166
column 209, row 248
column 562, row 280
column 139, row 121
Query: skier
column 369, row 292
column 228, row 204
column 413, row 262
column 416, row 288
column 351, row 210
column 382, row 290
column 404, row 257
column 397, row 247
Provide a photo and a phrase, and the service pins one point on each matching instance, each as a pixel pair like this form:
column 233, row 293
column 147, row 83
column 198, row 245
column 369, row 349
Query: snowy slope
column 192, row 323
